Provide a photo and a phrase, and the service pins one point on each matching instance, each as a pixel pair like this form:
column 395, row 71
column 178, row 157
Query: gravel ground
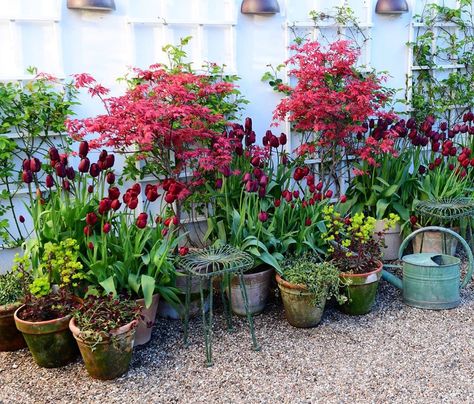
column 394, row 354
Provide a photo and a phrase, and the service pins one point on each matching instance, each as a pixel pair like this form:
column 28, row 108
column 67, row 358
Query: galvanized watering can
column 431, row 280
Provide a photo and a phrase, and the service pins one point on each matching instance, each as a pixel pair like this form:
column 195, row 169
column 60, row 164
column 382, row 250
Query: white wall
column 46, row 34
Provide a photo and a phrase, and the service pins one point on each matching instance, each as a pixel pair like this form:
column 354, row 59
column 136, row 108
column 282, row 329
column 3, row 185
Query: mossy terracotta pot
column 10, row 338
column 50, row 342
column 146, row 323
column 300, row 310
column 361, row 291
column 435, row 242
column 257, row 284
column 109, row 358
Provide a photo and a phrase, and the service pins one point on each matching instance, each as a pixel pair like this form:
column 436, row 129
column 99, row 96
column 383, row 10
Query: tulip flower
column 91, row 219
column 53, row 154
column 328, row 194
column 83, row 149
column 21, row 218
column 183, row 251
column 90, row 189
column 34, row 165
column 277, row 203
column 94, row 170
column 90, row 245
column 103, row 155
column 49, row 181
column 133, row 203
column 115, row 204
column 114, row 193
column 110, row 178
column 27, row 177
column 263, row 216
column 343, row 199
column 104, row 206
column 84, row 165
column 66, row 185
column 106, row 228
column 307, row 221
column 70, row 173
column 283, row 139
column 60, row 169
column 87, row 231
column 109, row 161
column 319, row 186
column 218, row 184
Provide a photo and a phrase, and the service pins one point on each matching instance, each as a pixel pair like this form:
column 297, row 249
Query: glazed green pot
column 50, row 342
column 361, row 291
column 300, row 310
column 109, row 358
column 10, row 338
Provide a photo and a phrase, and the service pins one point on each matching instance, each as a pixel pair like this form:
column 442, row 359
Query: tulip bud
column 27, row 177
column 218, row 183
column 263, row 216
column 21, row 218
column 274, row 142
column 103, row 155
column 170, row 198
column 248, row 125
column 60, row 169
column 49, row 181
column 87, row 231
column 91, row 219
column 328, row 194
column 104, row 206
column 110, row 178
column 35, row 165
column 133, row 203
column 183, row 251
column 106, row 228
column 319, row 186
column 90, row 245
column 115, row 204
column 90, row 189
column 94, row 170
column 277, row 202
column 283, row 139
column 26, row 164
column 83, row 149
column 307, row 221
column 413, row 220
column 66, row 185
column 114, row 193
column 53, row 154
column 343, row 199
column 70, row 173
column 262, row 192
column 255, row 161
column 84, row 165
column 109, row 161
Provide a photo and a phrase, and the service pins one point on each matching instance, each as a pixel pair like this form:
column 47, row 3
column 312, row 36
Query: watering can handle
column 470, row 268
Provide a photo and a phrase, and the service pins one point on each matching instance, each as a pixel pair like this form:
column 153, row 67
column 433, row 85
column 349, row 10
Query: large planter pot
column 10, row 338
column 361, row 291
column 109, row 358
column 393, row 240
column 300, row 310
column 166, row 310
column 50, row 342
column 146, row 323
column 257, row 284
column 435, row 242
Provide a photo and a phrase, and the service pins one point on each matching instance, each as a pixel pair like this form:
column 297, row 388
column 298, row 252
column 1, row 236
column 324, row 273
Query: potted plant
column 104, row 328
column 357, row 254
column 49, row 301
column 11, row 297
column 305, row 284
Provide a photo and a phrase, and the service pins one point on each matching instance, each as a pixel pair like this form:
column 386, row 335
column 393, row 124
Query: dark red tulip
column 283, row 139
column 104, row 206
column 274, row 142
column 109, row 161
column 307, row 221
column 66, row 185
column 263, row 216
column 94, row 170
column 255, row 161
column 170, row 198
column 218, row 183
column 87, row 231
column 26, row 164
column 319, row 186
column 422, row 169
column 103, row 155
column 21, row 218
column 60, row 169
column 90, row 189
column 83, row 149
column 70, row 173
column 277, row 202
column 262, row 192
column 106, row 228
column 91, row 219
column 114, row 193
column 110, row 178
column 53, row 154
column 115, row 204
column 84, row 165
column 133, row 203
column 49, row 181
column 35, row 165
column 328, row 194
column 27, row 177
column 90, row 245
column 343, row 199
column 413, row 220
column 248, row 125
column 183, row 251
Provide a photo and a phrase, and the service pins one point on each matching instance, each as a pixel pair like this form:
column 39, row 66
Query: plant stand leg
column 227, row 303
column 187, row 304
column 207, row 321
column 243, row 291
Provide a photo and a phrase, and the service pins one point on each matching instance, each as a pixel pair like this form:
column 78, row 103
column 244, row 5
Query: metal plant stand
column 222, row 263
column 446, row 210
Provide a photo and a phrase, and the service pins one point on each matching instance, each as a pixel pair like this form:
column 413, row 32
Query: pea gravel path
column 395, row 354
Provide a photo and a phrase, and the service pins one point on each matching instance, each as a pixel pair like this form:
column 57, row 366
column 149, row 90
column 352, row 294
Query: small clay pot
column 10, row 338
column 50, row 342
column 109, row 358
column 145, row 325
column 300, row 310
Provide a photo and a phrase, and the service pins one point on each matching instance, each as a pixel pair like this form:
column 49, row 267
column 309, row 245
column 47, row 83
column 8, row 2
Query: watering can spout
column 394, row 280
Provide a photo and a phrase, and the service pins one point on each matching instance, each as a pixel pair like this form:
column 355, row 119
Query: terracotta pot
column 393, row 240
column 435, row 242
column 145, row 325
column 362, row 291
column 257, row 285
column 300, row 310
column 10, row 338
column 109, row 358
column 166, row 310
column 50, row 342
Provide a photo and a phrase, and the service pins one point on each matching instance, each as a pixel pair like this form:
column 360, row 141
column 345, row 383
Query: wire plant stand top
column 446, row 209
column 216, row 261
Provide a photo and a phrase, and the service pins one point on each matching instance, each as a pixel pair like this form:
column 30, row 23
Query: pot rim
column 141, row 300
column 9, row 308
column 365, row 274
column 39, row 323
column 289, row 285
column 124, row 329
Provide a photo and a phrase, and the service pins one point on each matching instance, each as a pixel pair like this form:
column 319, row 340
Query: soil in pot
column 50, row 342
column 300, row 308
column 257, row 284
column 109, row 358
column 361, row 291
column 145, row 325
column 10, row 338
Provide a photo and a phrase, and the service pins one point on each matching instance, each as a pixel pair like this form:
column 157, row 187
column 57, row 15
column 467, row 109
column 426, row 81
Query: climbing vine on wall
column 443, row 56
